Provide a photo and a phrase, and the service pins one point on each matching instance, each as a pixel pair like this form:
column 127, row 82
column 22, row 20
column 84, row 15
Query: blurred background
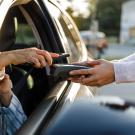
column 108, row 30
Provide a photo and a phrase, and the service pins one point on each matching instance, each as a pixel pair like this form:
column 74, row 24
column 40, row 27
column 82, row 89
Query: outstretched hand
column 39, row 58
column 100, row 73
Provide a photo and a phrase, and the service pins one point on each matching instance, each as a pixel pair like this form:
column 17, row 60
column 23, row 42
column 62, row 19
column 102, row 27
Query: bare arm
column 5, row 91
column 40, row 58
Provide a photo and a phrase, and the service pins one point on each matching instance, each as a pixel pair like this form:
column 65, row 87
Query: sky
column 79, row 6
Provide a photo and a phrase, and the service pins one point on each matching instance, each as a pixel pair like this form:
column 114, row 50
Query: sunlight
column 80, row 7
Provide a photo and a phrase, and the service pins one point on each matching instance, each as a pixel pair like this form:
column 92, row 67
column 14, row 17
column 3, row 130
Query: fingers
column 89, row 81
column 81, row 63
column 42, row 61
column 36, row 62
column 89, row 63
column 46, row 56
column 82, row 72
column 84, row 80
column 94, row 62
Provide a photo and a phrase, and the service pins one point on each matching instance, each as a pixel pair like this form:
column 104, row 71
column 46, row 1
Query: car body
column 45, row 25
column 95, row 41
column 99, row 116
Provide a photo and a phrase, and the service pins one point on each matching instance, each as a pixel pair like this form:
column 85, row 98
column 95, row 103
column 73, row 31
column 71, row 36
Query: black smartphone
column 61, row 57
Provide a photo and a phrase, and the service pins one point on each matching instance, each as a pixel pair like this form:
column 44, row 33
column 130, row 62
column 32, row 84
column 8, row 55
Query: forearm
column 6, row 58
column 124, row 72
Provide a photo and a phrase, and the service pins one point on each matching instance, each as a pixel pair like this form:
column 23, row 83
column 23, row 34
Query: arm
column 39, row 58
column 12, row 110
column 105, row 72
column 14, row 115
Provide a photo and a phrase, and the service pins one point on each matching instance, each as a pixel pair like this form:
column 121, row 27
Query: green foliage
column 81, row 22
column 109, row 16
column 108, row 13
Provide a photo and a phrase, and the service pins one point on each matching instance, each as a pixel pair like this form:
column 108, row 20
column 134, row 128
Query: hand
column 5, row 90
column 40, row 58
column 101, row 73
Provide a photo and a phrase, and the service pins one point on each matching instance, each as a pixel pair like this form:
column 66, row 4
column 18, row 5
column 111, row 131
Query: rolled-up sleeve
column 14, row 116
column 124, row 71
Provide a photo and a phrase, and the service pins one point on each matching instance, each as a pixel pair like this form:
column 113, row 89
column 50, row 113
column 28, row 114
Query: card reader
column 61, row 71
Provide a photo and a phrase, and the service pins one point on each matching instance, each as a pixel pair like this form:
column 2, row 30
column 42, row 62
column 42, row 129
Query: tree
column 109, row 16
column 82, row 22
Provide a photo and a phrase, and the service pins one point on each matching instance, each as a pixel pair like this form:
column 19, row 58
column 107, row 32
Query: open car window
column 18, row 32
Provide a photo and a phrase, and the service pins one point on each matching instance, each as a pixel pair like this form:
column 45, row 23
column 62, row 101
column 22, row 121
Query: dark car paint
column 94, row 117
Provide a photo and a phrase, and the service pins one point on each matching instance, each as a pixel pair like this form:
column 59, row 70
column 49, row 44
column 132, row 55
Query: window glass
column 24, row 33
column 16, row 33
column 65, row 28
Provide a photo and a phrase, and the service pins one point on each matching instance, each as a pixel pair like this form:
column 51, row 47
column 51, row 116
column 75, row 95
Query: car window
column 24, row 34
column 16, row 33
column 67, row 32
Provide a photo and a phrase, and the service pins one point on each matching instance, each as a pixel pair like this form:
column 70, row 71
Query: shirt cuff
column 15, row 107
column 124, row 72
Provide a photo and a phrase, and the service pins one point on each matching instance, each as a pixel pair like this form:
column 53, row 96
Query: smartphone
column 61, row 57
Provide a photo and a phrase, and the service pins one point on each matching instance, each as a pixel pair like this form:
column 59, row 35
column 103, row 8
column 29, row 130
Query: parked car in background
column 45, row 25
column 95, row 42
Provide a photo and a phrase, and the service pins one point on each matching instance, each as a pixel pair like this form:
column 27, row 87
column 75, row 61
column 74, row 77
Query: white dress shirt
column 125, row 69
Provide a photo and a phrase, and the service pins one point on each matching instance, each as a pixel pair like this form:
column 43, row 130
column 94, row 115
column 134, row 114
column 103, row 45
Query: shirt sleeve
column 124, row 71
column 14, row 116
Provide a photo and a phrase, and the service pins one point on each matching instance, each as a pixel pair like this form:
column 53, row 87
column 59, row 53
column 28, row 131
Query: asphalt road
column 126, row 91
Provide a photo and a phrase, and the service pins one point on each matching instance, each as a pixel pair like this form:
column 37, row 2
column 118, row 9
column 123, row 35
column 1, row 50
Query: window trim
column 32, row 25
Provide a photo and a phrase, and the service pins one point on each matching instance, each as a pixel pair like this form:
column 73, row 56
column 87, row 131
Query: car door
column 39, row 29
column 71, row 41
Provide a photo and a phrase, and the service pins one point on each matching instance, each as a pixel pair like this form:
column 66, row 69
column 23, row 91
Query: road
column 118, row 51
column 126, row 91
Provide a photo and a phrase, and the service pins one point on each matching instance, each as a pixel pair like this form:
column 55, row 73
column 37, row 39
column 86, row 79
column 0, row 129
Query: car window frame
column 50, row 100
column 62, row 32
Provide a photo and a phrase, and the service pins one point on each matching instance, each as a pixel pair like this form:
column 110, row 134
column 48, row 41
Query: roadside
column 118, row 51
